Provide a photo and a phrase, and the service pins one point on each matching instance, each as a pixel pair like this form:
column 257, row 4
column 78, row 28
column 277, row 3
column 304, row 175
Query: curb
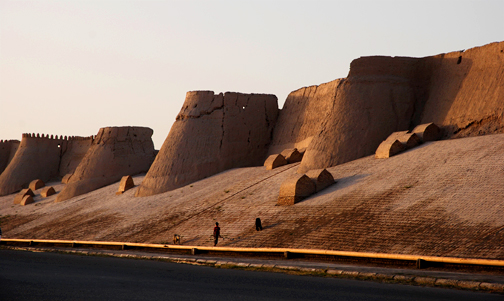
column 403, row 279
column 420, row 260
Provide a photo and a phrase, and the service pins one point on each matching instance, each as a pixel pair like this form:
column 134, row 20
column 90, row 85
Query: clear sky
column 71, row 67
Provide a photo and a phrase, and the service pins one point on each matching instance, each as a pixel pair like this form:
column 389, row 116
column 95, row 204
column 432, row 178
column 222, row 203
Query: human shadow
column 188, row 241
column 270, row 226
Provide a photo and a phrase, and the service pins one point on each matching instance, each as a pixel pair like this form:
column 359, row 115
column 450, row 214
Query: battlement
column 9, row 141
column 55, row 137
column 39, row 156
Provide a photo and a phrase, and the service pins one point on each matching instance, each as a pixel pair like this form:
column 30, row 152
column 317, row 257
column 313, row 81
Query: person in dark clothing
column 216, row 233
column 258, row 224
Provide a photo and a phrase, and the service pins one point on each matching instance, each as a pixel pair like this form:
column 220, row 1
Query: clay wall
column 72, row 155
column 301, row 116
column 337, row 122
column 462, row 92
column 115, row 152
column 376, row 99
column 7, row 150
column 466, row 92
column 38, row 157
column 212, row 133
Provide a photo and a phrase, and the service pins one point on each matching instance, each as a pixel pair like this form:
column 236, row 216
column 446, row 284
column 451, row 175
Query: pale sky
column 72, row 67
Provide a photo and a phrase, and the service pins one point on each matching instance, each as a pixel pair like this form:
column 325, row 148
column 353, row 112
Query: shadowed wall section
column 376, row 99
column 39, row 157
column 7, row 150
column 212, row 133
column 462, row 92
column 467, row 92
column 73, row 154
column 115, row 152
column 300, row 119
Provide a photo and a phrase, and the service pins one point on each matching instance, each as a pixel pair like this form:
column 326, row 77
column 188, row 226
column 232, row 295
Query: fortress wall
column 14, row 148
column 466, row 92
column 462, row 92
column 248, row 123
column 377, row 98
column 37, row 157
column 212, row 133
column 73, row 154
column 40, row 156
column 301, row 116
column 115, row 152
column 7, row 150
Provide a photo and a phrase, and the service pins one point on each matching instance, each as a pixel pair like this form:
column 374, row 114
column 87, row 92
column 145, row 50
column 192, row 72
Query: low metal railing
column 286, row 252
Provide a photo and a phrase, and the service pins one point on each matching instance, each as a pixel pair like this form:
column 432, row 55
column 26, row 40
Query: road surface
column 50, row 276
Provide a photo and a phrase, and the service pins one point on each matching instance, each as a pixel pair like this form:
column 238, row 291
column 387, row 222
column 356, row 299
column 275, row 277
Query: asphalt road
column 49, row 276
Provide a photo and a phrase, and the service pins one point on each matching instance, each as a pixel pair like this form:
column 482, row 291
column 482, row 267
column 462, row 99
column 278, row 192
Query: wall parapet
column 55, row 137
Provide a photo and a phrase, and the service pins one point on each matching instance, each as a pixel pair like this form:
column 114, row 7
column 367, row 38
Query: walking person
column 216, row 233
column 258, row 224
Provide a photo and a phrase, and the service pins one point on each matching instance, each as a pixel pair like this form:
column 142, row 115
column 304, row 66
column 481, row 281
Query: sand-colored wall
column 462, row 92
column 7, row 150
column 466, row 91
column 212, row 133
column 38, row 157
column 301, row 116
column 72, row 155
column 376, row 99
column 115, row 152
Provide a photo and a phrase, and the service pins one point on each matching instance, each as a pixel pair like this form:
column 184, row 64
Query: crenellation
column 39, row 156
column 46, row 136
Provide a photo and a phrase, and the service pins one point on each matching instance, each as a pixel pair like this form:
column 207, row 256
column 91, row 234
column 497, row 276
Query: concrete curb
column 421, row 261
column 412, row 280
